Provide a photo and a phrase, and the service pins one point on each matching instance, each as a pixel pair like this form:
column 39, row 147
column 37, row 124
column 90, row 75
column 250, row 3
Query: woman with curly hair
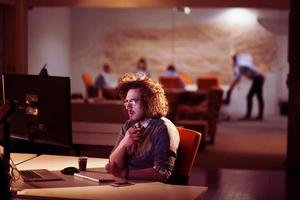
column 147, row 144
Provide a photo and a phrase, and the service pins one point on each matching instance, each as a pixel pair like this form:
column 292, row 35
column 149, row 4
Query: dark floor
column 247, row 145
column 234, row 184
column 247, row 162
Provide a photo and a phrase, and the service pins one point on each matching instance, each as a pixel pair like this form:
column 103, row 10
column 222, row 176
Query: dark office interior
column 242, row 160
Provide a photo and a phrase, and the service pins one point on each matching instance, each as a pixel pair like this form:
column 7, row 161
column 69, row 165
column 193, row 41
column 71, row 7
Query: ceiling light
column 185, row 9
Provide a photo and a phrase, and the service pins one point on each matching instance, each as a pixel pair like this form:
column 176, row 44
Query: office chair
column 186, row 153
column 91, row 91
column 206, row 83
column 171, row 82
column 87, row 79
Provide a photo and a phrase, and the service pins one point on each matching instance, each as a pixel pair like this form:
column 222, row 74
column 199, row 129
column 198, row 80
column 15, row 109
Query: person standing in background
column 243, row 66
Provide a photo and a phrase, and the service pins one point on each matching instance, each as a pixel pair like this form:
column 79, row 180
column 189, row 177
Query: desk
column 85, row 189
column 57, row 163
column 145, row 191
column 21, row 157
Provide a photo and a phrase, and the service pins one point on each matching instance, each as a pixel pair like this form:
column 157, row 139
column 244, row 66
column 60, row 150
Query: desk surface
column 18, row 158
column 56, row 163
column 85, row 189
column 145, row 191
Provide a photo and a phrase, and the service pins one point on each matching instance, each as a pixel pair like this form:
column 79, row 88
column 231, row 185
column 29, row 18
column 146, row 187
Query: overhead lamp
column 185, row 9
column 239, row 16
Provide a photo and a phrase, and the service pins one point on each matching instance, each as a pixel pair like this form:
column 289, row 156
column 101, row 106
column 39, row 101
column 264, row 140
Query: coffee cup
column 82, row 162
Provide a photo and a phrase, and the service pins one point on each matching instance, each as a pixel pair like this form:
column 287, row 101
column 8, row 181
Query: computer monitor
column 42, row 120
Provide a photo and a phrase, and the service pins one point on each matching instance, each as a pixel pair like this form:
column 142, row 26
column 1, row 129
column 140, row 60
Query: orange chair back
column 170, row 82
column 91, row 90
column 187, row 150
column 87, row 79
column 186, row 78
column 207, row 82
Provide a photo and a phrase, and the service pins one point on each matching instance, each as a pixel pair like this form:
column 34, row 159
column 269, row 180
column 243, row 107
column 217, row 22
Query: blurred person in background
column 243, row 66
column 142, row 68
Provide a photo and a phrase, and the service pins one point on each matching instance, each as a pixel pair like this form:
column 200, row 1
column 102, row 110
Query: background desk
column 86, row 189
column 91, row 125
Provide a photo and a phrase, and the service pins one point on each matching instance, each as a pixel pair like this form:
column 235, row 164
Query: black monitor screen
column 43, row 115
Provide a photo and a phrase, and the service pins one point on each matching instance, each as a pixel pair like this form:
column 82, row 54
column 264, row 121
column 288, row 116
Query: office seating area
column 197, row 110
column 203, row 114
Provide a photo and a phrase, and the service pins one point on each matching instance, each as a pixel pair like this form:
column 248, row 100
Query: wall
column 49, row 41
column 200, row 43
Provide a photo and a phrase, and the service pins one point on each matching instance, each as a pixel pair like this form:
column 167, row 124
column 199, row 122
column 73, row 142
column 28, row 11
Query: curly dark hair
column 153, row 95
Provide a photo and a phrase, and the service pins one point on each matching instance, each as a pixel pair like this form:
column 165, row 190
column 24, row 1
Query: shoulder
column 165, row 133
column 162, row 121
column 164, row 126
